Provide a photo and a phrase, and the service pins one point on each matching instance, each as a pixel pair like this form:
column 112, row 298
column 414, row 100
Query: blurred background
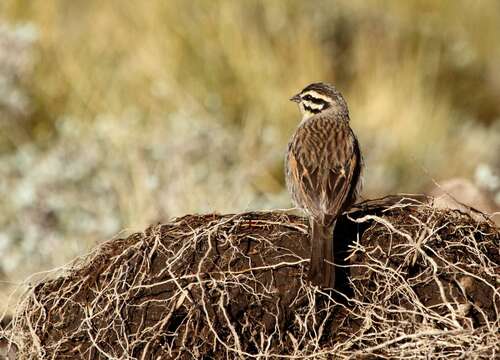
column 115, row 115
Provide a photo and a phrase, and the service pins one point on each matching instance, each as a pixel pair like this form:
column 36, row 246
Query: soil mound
column 413, row 281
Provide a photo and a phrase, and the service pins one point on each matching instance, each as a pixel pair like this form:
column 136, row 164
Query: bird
column 323, row 166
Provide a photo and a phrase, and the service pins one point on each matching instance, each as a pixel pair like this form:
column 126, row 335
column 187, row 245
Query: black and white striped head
column 319, row 97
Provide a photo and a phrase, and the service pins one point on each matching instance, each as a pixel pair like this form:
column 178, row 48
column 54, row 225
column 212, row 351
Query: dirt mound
column 414, row 281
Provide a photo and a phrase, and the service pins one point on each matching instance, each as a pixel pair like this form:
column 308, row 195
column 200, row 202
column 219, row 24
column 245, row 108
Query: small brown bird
column 323, row 171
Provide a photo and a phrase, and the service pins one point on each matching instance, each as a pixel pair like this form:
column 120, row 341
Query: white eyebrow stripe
column 317, row 95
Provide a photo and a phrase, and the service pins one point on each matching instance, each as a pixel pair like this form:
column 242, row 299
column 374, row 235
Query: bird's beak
column 295, row 98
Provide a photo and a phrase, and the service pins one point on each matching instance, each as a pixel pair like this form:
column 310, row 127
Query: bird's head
column 320, row 97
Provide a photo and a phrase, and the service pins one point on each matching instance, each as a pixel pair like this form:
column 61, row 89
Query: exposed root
column 414, row 282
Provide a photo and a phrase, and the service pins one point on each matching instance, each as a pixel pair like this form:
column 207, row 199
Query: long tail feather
column 322, row 271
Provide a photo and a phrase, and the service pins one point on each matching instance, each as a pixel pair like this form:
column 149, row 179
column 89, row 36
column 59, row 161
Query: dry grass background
column 117, row 114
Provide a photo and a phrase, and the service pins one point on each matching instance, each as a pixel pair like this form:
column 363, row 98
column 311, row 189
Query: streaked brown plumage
column 323, row 171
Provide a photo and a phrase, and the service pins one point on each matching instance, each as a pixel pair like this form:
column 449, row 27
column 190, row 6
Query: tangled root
column 413, row 282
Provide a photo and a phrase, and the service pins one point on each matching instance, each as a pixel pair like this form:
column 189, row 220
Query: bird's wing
column 323, row 161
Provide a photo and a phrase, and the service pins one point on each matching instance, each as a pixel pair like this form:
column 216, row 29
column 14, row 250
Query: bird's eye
column 308, row 97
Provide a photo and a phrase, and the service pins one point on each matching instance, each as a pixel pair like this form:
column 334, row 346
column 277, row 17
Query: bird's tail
column 322, row 271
